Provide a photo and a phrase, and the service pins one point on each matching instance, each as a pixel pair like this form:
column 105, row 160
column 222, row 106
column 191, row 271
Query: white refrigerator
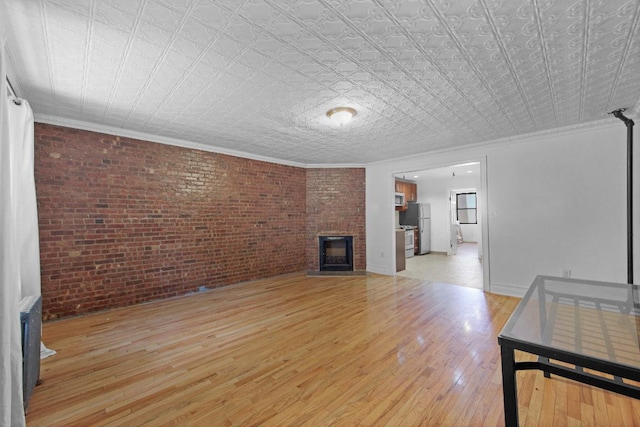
column 419, row 214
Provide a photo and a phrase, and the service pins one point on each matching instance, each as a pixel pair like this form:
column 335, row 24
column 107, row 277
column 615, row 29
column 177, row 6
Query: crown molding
column 110, row 130
column 510, row 140
column 335, row 165
column 610, row 121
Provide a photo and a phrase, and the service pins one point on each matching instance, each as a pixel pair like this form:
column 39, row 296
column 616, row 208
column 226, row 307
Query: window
column 466, row 208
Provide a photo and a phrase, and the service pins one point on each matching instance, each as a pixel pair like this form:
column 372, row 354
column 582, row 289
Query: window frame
column 458, row 209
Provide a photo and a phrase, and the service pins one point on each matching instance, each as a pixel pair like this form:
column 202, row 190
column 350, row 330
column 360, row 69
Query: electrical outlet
column 566, row 273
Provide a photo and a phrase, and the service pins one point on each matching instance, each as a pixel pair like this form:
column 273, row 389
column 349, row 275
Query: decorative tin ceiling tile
column 259, row 75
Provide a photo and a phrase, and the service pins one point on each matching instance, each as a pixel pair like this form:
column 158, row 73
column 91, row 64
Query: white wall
column 436, row 191
column 554, row 201
column 470, row 232
column 380, row 222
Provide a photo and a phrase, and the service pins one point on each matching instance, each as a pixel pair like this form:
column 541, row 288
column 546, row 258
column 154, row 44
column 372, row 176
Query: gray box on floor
column 31, row 322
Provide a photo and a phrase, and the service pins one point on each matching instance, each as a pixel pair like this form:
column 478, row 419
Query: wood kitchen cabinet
column 416, row 244
column 400, row 252
column 410, row 191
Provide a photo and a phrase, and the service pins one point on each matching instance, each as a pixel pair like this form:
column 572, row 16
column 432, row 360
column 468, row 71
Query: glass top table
column 585, row 324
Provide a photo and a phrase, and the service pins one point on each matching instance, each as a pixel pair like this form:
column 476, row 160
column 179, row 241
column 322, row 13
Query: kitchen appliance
column 408, row 242
column 419, row 215
column 399, row 199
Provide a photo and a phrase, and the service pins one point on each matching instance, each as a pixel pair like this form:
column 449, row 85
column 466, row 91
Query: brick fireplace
column 336, row 253
column 336, row 207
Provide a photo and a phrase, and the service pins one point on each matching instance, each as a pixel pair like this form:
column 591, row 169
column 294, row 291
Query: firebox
column 336, row 253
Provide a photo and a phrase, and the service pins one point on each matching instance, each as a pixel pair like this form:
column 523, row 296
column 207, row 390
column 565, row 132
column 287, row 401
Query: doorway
column 454, row 195
column 462, row 269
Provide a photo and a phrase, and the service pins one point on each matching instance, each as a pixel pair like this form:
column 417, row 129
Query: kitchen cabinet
column 416, row 246
column 400, row 254
column 410, row 191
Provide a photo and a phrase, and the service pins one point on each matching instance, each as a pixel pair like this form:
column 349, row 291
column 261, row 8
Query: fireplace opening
column 336, row 253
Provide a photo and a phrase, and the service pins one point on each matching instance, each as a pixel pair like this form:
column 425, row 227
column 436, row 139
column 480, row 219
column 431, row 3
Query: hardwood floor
column 303, row 351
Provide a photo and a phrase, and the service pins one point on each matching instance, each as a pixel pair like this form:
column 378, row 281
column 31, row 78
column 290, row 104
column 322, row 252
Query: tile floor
column 464, row 269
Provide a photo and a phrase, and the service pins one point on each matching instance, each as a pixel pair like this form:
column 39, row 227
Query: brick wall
column 336, row 207
column 124, row 221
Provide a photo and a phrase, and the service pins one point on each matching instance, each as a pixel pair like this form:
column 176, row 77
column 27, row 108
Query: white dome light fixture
column 341, row 115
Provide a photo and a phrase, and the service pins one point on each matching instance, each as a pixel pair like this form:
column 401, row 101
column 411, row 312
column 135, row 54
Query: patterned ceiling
column 258, row 76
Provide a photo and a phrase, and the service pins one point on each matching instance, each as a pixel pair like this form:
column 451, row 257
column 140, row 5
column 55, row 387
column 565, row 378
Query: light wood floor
column 298, row 351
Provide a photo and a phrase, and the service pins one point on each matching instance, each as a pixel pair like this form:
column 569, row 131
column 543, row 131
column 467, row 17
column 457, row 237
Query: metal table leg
column 509, row 390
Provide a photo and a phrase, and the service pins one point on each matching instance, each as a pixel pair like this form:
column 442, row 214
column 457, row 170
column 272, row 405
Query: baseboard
column 509, row 290
column 380, row 269
column 434, row 253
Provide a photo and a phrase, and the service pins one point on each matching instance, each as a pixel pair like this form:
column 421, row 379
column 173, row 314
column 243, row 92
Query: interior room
column 213, row 212
column 454, row 253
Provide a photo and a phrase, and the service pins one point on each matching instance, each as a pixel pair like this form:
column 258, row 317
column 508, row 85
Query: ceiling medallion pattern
column 258, row 76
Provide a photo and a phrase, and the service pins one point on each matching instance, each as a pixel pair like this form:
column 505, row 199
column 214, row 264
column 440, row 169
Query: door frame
column 483, row 201
column 453, row 241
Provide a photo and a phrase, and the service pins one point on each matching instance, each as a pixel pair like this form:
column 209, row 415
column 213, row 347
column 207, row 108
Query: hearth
column 336, row 253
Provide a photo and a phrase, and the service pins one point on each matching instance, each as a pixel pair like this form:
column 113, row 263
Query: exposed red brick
column 124, row 221
column 336, row 207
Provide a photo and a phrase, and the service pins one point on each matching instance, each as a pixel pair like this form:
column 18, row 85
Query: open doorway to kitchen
column 463, row 269
column 453, row 195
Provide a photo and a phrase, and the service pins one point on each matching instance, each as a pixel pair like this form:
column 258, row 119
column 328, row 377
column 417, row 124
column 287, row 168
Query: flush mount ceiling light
column 341, row 115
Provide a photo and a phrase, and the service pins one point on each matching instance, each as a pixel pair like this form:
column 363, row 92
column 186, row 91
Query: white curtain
column 21, row 134
column 28, row 238
column 10, row 289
